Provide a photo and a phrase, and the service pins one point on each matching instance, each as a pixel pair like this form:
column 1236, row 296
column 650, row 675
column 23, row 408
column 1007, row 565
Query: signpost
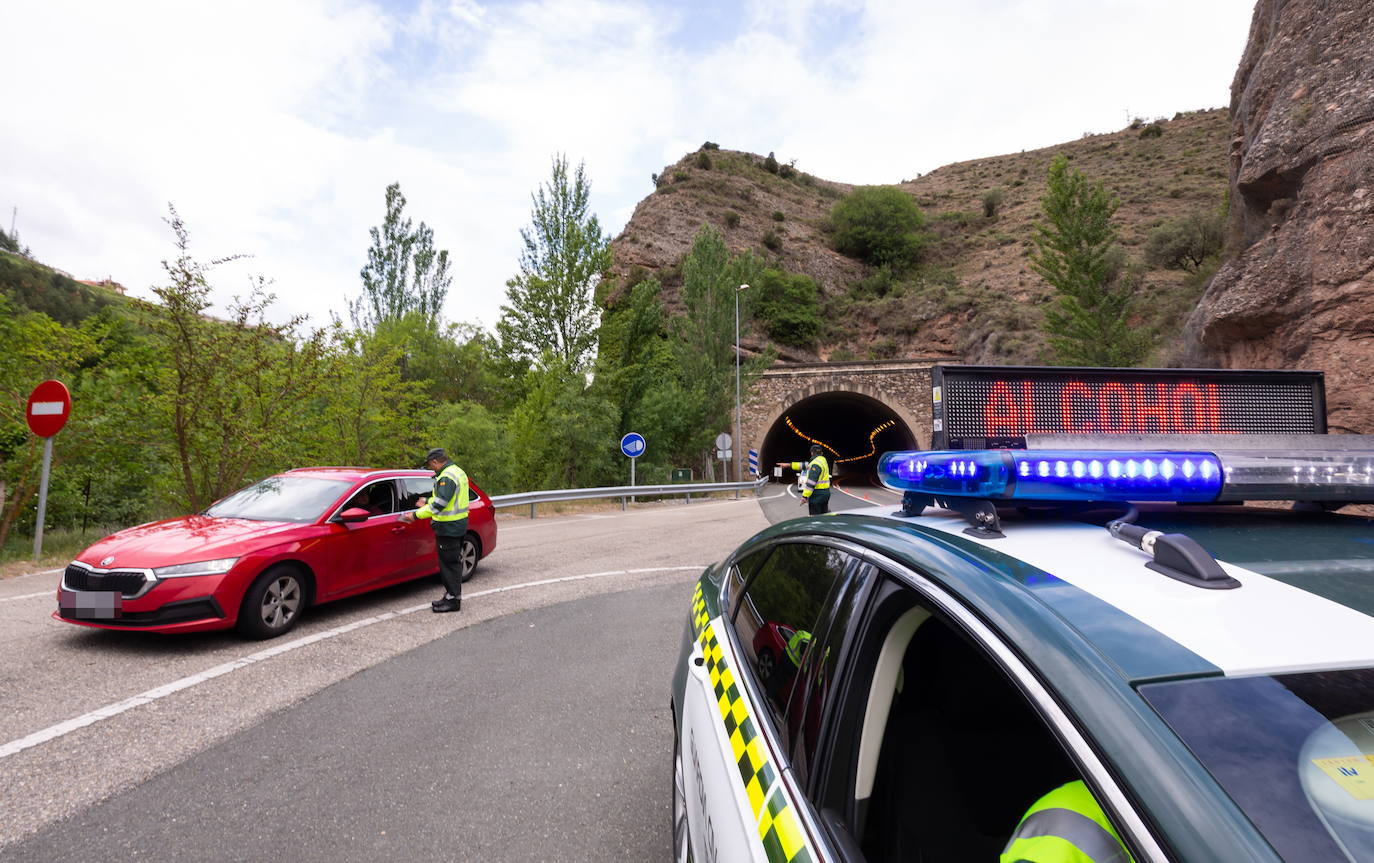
column 50, row 404
column 725, row 454
column 753, row 462
column 632, row 445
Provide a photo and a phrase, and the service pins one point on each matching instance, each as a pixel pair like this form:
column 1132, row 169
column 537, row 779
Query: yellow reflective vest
column 452, row 509
column 1066, row 826
column 820, row 480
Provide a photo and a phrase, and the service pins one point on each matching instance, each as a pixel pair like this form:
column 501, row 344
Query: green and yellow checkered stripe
column 779, row 829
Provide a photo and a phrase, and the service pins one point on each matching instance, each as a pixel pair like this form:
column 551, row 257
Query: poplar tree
column 404, row 273
column 551, row 302
column 1088, row 323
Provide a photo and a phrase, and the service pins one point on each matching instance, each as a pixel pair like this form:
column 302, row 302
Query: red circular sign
column 49, row 406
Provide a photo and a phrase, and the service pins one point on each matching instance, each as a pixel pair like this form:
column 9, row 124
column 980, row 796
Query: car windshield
column 281, row 498
column 1295, row 752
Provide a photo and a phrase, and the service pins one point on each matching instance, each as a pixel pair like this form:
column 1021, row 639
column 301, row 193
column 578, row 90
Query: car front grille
column 127, row 582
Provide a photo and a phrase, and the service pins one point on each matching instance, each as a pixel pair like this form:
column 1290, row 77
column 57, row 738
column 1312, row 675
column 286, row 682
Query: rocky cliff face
column 1300, row 292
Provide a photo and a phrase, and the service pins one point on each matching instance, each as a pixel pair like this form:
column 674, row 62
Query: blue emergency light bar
column 1192, row 476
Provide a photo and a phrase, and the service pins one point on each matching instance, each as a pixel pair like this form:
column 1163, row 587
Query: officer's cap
column 436, row 453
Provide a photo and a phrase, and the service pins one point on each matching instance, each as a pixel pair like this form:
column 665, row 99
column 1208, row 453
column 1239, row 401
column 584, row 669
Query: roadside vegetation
column 178, row 403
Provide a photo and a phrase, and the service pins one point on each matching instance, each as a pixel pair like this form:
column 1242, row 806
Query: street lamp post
column 739, row 441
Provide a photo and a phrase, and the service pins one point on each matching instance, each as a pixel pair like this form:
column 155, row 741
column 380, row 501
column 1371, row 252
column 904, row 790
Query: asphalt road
column 462, row 749
column 552, row 684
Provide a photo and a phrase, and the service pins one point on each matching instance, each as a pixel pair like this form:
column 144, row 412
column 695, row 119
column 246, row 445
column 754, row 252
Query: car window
column 378, row 498
column 1295, row 752
column 777, row 613
column 412, row 489
column 805, row 708
column 740, row 572
column 935, row 753
column 281, row 498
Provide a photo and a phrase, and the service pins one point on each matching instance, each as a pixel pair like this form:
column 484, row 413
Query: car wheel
column 468, row 556
column 273, row 604
column 767, row 664
column 682, row 841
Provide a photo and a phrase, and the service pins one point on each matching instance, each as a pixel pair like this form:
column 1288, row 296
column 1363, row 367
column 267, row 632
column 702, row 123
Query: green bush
column 710, row 145
column 788, row 306
column 1187, row 242
column 731, row 219
column 770, row 163
column 772, row 242
column 992, row 202
column 680, row 176
column 1154, row 130
column 880, row 225
column 778, row 215
column 703, row 161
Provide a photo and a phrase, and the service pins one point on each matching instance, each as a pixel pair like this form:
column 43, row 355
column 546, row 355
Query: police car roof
column 1306, row 600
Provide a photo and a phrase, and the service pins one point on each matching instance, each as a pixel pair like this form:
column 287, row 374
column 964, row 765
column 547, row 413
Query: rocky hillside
column 1300, row 291
column 974, row 296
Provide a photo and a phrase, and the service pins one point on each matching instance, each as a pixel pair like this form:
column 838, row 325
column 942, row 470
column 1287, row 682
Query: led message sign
column 995, row 407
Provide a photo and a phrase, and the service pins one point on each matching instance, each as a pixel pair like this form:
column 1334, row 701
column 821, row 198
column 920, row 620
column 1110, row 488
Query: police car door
column 741, row 802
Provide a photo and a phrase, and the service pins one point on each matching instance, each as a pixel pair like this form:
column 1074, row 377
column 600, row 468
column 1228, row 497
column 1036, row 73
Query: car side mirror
column 356, row 513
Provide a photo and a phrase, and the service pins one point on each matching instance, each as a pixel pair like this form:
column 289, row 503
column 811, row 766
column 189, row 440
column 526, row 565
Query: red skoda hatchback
column 261, row 556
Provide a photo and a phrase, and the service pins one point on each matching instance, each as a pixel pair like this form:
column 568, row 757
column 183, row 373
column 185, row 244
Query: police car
column 904, row 682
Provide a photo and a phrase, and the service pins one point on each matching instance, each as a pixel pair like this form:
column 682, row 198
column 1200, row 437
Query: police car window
column 806, row 706
column 919, row 767
column 1295, row 752
column 742, row 570
column 776, row 616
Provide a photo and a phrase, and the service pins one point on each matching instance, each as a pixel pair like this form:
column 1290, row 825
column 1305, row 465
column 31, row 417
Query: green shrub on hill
column 40, row 289
column 788, row 306
column 880, row 225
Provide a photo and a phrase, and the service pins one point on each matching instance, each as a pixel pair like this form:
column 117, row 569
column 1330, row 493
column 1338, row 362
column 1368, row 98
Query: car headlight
column 204, row 567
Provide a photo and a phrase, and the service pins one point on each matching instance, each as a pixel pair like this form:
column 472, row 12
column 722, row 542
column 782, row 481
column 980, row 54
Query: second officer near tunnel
column 816, row 482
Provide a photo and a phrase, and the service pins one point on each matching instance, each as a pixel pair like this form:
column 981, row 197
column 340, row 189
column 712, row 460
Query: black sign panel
column 995, row 407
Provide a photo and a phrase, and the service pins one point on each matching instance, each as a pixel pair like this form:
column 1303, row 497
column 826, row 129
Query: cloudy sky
column 275, row 127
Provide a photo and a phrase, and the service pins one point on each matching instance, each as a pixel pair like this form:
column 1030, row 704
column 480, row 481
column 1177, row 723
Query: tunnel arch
column 843, row 420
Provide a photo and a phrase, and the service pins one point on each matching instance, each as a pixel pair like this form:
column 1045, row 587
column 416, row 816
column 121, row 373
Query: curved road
column 534, row 724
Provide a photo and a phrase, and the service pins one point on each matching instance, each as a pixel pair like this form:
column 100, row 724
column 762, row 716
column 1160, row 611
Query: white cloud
column 275, row 128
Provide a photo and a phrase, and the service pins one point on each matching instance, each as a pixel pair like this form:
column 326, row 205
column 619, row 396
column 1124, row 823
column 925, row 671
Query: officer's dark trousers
column 451, row 563
column 819, row 501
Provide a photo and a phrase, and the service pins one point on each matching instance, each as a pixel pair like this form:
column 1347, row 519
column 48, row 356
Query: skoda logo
column 107, row 561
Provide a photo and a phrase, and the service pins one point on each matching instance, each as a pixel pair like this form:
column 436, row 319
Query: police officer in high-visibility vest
column 816, row 484
column 1066, row 826
column 447, row 509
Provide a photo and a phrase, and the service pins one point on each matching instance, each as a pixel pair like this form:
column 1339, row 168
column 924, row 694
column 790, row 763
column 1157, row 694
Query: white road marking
column 32, row 574
column 25, row 596
column 52, row 732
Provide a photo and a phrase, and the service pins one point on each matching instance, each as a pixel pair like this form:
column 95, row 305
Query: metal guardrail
column 626, row 493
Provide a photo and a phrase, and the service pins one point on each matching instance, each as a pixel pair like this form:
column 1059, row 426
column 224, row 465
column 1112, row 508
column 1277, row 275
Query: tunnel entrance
column 854, row 428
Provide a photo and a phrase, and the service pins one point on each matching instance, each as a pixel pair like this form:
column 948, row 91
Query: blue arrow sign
column 632, row 445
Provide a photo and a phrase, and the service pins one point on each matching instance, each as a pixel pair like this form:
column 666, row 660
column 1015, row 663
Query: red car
column 261, row 556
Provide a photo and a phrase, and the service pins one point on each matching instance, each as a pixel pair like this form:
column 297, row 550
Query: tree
column 880, row 225
column 1088, row 323
column 704, row 337
column 236, row 394
column 1186, row 243
column 551, row 307
column 632, row 353
column 404, row 273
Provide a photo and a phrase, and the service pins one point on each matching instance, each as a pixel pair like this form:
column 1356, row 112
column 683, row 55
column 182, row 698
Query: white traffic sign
column 723, row 440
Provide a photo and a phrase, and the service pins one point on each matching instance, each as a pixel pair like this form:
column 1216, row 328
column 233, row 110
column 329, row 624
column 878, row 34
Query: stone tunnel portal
column 855, row 428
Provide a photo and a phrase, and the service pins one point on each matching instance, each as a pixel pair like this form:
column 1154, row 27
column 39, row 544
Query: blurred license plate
column 92, row 604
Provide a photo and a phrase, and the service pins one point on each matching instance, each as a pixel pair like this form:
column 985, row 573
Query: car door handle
column 400, row 528
column 698, row 660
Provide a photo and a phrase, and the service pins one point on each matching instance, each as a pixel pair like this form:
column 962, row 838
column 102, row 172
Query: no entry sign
column 49, row 406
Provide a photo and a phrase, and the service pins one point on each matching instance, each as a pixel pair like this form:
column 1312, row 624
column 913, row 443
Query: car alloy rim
column 469, row 556
column 681, row 851
column 280, row 602
column 765, row 664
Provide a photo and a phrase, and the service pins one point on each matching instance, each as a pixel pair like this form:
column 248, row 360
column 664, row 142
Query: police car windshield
column 1295, row 752
column 281, row 498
